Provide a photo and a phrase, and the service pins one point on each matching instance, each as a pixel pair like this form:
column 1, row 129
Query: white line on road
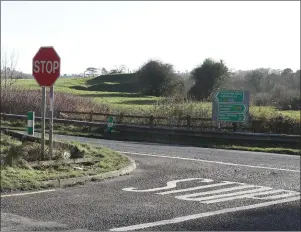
column 202, row 215
column 189, row 197
column 251, row 196
column 209, row 161
column 28, row 193
column 197, row 188
column 169, row 185
column 235, row 194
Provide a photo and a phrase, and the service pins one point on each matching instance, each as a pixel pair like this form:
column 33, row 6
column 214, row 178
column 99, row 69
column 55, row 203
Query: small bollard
column 30, row 123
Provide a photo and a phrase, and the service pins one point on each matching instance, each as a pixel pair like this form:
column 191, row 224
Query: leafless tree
column 91, row 70
column 8, row 68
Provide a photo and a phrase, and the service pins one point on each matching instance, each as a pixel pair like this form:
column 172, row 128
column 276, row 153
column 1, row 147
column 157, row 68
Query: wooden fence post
column 151, row 120
column 91, row 116
column 188, row 121
column 91, row 119
column 121, row 117
column 235, row 126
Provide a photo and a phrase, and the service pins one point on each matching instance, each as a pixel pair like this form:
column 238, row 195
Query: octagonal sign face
column 46, row 65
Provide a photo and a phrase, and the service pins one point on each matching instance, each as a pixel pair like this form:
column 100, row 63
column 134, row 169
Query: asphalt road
column 173, row 188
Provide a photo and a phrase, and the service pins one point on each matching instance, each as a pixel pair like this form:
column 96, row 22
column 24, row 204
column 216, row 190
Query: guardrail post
column 151, row 120
column 188, row 121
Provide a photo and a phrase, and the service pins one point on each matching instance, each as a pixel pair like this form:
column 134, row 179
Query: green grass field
column 121, row 93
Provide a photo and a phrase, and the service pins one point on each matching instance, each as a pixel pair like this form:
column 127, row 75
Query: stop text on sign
column 46, row 65
column 42, row 66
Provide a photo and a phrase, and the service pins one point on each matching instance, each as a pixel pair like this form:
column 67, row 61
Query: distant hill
column 124, row 82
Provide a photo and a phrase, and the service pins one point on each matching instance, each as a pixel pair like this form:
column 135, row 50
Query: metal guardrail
column 187, row 133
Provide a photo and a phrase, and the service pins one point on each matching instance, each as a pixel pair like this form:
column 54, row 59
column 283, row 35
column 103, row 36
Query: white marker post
column 30, row 123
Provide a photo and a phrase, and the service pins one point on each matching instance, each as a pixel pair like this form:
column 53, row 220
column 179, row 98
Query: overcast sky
column 246, row 35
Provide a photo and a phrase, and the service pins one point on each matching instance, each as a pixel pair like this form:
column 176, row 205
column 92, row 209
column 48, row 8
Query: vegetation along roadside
column 23, row 169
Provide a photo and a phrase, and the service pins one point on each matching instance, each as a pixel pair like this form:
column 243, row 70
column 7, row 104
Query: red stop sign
column 46, row 65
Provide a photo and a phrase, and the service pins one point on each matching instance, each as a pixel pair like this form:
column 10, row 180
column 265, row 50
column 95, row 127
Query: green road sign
column 232, row 117
column 233, row 108
column 230, row 96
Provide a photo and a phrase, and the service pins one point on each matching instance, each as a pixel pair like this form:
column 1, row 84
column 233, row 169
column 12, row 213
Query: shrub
column 20, row 101
column 156, row 78
column 207, row 77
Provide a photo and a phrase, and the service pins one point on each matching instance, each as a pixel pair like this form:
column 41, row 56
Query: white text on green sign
column 230, row 96
column 239, row 108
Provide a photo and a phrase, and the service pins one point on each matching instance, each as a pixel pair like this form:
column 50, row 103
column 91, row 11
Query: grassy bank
column 121, row 94
column 21, row 176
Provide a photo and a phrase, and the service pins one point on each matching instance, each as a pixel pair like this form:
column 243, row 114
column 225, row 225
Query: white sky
column 246, row 35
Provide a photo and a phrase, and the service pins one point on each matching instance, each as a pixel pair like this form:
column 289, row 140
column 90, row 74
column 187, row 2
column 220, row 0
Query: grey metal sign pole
column 51, row 101
column 43, row 122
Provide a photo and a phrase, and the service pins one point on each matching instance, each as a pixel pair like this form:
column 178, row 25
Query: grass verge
column 24, row 177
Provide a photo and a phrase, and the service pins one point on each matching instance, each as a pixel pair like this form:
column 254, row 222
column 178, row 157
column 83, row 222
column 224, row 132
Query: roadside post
column 231, row 106
column 110, row 124
column 46, row 65
column 30, row 123
column 51, row 100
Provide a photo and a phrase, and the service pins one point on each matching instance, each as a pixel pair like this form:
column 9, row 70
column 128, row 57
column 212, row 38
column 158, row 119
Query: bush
column 278, row 125
column 20, row 101
column 289, row 103
column 207, row 77
column 156, row 78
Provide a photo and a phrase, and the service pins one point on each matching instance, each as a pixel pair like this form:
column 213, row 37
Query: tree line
column 279, row 88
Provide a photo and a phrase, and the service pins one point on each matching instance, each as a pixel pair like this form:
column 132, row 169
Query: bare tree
column 120, row 69
column 8, row 68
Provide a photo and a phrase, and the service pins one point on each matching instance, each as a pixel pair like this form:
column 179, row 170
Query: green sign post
column 230, row 106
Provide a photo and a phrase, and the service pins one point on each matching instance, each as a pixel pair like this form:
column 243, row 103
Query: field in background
column 117, row 90
column 121, row 93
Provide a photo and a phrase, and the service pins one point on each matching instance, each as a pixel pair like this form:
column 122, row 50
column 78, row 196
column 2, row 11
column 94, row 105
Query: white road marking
column 189, row 197
column 249, row 195
column 285, row 194
column 28, row 193
column 236, row 194
column 202, row 215
column 170, row 185
column 210, row 161
column 198, row 187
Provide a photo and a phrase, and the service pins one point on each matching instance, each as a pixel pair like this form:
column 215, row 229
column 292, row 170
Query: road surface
column 173, row 188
